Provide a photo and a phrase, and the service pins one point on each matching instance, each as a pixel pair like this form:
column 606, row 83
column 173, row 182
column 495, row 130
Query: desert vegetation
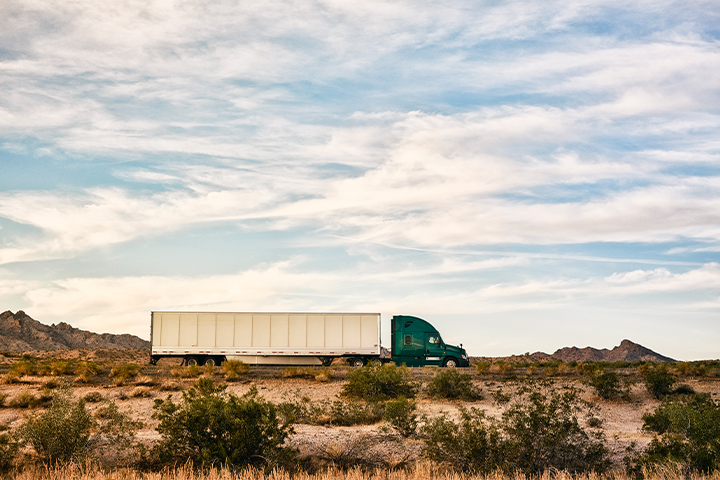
column 512, row 420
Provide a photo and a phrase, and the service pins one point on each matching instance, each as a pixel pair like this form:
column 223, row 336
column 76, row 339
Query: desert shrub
column 683, row 389
column 209, row 427
column 538, row 432
column 51, row 383
column 502, row 367
column 319, row 374
column 93, row 397
column 170, row 386
column 191, row 371
column 23, row 369
column 122, row 373
column 61, row 434
column 115, row 431
column 141, row 392
column 61, row 367
column 3, row 397
column 472, row 445
column 304, row 411
column 401, row 416
column 347, row 414
column 453, row 385
column 659, row 381
column 145, row 380
column 690, row 369
column 322, row 375
column 8, row 448
column 234, row 368
column 500, row 397
column 24, row 399
column 337, row 413
column 208, row 370
column 85, row 371
column 482, row 367
column 11, row 378
column 606, row 384
column 543, row 432
column 45, row 396
column 594, row 422
column 687, row 432
column 377, row 382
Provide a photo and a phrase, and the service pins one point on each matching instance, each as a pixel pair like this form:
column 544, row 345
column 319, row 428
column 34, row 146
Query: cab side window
column 433, row 339
column 408, row 339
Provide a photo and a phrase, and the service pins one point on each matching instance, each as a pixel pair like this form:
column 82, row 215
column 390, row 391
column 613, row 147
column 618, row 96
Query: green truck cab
column 416, row 343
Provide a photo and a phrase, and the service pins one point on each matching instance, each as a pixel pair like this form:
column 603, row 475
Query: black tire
column 210, row 361
column 357, row 362
column 191, row 361
column 451, row 363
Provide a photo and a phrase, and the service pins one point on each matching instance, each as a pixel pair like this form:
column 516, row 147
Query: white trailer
column 262, row 338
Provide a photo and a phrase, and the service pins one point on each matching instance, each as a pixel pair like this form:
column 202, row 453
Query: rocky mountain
column 20, row 332
column 627, row 351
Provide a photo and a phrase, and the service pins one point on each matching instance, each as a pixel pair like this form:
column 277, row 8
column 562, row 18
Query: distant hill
column 20, row 332
column 627, row 351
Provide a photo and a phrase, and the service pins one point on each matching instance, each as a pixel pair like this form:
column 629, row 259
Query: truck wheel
column 191, row 361
column 357, row 362
column 451, row 363
column 210, row 361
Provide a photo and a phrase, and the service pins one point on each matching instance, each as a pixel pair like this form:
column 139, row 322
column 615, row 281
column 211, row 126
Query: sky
column 524, row 175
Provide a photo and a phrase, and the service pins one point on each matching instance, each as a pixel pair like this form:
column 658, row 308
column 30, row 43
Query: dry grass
column 425, row 471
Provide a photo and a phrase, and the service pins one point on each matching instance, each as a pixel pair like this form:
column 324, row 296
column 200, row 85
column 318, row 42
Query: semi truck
column 293, row 338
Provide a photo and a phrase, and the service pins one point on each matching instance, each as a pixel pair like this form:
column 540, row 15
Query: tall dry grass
column 420, row 471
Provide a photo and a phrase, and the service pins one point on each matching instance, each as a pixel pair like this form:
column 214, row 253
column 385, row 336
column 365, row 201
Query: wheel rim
column 192, row 361
column 451, row 363
column 358, row 362
column 210, row 361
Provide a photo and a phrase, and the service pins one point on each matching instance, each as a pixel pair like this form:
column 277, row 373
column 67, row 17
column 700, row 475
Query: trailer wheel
column 451, row 363
column 210, row 361
column 191, row 361
column 357, row 362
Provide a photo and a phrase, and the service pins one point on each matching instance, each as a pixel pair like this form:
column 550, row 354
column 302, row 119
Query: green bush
column 543, row 432
column 210, row 427
column 377, row 382
column 401, row 416
column 537, row 432
column 347, row 414
column 61, row 434
column 24, row 399
column 687, row 432
column 22, row 369
column 338, row 413
column 8, row 448
column 122, row 373
column 473, row 445
column 453, row 385
column 234, row 368
column 61, row 367
column 606, row 384
column 659, row 381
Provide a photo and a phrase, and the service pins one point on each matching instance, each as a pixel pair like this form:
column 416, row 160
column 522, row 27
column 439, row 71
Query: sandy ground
column 621, row 421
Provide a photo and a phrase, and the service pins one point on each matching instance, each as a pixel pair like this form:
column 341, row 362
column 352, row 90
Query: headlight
column 464, row 356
